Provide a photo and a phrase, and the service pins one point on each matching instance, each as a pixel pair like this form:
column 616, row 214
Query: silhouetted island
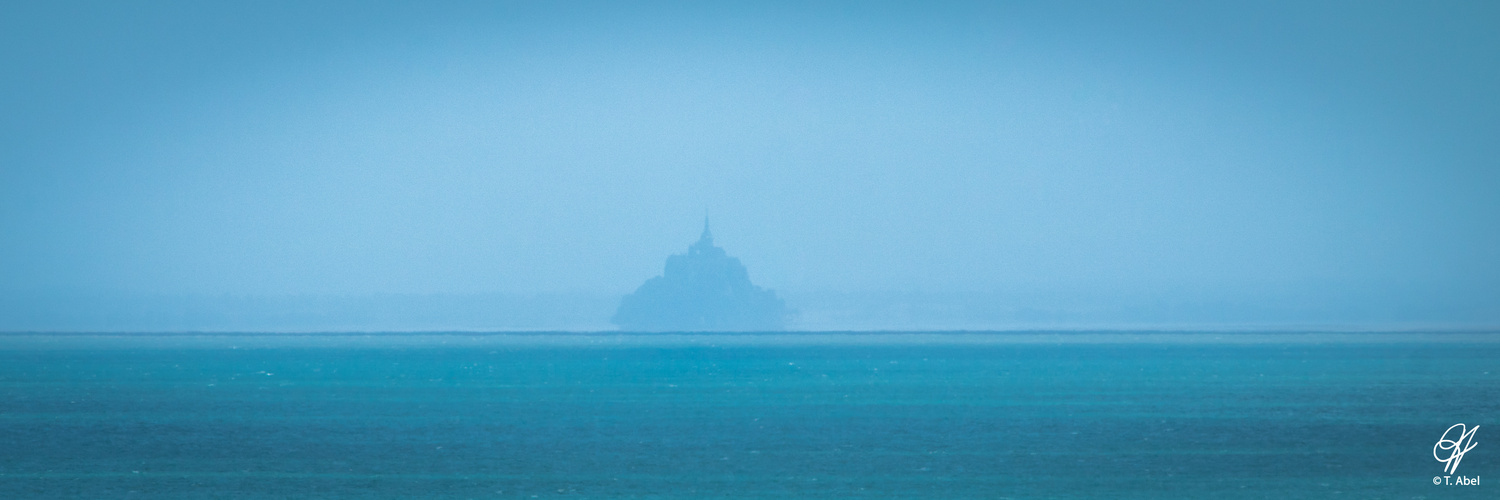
column 702, row 290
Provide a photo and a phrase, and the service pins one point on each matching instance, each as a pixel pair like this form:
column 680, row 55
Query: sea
column 991, row 415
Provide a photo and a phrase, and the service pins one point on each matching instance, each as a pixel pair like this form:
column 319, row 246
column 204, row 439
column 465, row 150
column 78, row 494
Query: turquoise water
column 913, row 416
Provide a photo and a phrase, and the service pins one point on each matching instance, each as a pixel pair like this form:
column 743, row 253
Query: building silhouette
column 702, row 290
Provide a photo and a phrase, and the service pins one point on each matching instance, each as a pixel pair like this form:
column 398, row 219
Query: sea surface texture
column 999, row 415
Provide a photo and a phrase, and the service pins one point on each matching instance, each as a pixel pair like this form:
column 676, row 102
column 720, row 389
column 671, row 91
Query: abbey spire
column 705, row 242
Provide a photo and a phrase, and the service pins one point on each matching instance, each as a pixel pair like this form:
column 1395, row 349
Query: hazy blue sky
column 1321, row 150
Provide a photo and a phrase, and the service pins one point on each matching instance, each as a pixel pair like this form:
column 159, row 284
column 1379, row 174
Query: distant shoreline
column 1028, row 331
column 606, row 339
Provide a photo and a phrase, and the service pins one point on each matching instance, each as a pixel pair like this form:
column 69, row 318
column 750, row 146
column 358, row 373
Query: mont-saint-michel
column 704, row 289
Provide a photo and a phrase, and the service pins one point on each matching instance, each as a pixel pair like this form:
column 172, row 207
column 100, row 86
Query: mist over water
column 387, row 166
column 399, row 249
